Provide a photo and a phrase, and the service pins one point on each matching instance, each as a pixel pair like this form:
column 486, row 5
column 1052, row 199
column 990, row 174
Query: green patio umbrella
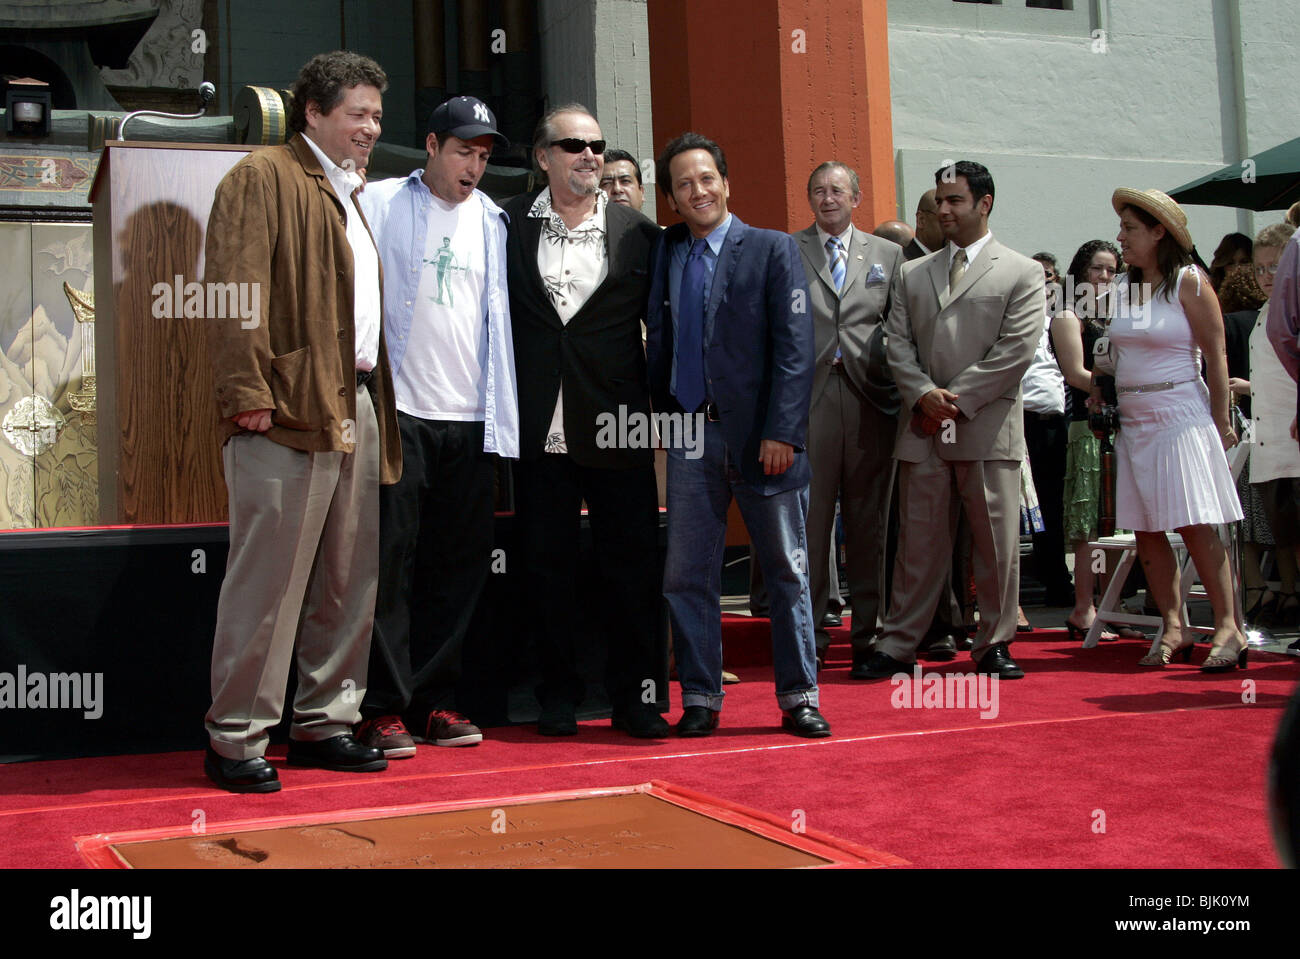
column 1265, row 181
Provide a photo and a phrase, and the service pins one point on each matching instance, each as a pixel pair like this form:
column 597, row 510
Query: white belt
column 1152, row 387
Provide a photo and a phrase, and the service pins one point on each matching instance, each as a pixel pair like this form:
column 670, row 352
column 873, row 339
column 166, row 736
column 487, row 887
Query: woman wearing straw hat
column 1172, row 473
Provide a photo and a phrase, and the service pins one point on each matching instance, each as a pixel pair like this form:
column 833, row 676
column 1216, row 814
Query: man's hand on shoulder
column 776, row 457
column 257, row 421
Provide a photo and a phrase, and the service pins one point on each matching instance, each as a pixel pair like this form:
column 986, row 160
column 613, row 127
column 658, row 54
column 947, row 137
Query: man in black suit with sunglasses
column 577, row 267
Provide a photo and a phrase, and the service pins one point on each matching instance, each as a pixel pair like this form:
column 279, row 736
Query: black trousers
column 1046, row 438
column 435, row 550
column 623, row 510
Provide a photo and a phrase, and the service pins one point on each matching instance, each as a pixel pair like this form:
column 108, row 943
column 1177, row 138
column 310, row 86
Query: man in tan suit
column 960, row 338
column 852, row 276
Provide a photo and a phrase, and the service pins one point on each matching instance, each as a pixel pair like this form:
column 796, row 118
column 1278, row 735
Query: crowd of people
column 932, row 381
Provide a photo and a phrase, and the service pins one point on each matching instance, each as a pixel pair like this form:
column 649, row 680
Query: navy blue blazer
column 758, row 346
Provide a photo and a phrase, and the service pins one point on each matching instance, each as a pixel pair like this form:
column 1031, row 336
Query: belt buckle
column 711, row 413
column 1149, row 387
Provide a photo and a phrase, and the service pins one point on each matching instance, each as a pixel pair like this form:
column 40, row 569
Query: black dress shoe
column 997, row 661
column 805, row 721
column 254, row 775
column 880, row 666
column 697, row 721
column 831, row 621
column 343, row 754
column 938, row 647
column 641, row 721
column 557, row 719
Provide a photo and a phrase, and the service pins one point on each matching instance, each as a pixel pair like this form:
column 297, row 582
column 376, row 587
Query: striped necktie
column 838, row 260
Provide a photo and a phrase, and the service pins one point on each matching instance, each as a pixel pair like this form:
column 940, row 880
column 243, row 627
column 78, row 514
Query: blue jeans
column 699, row 493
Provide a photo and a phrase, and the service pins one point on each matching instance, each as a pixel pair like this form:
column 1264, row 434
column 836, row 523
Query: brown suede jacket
column 277, row 222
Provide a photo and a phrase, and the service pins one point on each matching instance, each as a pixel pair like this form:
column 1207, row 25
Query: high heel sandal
column 1166, row 653
column 1076, row 632
column 1220, row 661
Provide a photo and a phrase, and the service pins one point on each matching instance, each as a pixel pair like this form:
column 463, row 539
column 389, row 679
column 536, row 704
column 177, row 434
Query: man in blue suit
column 730, row 349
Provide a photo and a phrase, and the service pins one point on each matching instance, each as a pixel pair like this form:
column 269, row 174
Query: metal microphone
column 206, row 94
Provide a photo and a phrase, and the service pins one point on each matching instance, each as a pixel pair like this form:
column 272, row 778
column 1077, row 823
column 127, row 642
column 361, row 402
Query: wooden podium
column 159, row 455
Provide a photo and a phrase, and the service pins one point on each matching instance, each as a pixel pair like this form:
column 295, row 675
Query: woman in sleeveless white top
column 1171, row 469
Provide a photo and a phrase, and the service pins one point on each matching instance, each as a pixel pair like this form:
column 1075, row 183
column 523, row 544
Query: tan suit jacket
column 853, row 318
column 976, row 341
column 851, row 422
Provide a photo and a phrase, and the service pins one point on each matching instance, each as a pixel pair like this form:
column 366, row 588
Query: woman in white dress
column 1171, row 470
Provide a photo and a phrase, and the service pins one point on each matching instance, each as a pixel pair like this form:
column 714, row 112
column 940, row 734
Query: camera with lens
column 1104, row 418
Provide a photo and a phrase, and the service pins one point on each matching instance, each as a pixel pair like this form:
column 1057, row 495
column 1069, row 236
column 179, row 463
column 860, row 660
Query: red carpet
column 1090, row 762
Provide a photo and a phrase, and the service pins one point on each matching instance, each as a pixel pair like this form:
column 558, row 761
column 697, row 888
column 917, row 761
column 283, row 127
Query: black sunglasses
column 574, row 145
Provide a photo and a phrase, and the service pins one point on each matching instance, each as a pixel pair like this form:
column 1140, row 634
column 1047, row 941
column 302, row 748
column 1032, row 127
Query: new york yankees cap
column 467, row 118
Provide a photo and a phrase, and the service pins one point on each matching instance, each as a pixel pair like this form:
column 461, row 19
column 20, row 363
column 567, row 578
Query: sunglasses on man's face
column 574, row 145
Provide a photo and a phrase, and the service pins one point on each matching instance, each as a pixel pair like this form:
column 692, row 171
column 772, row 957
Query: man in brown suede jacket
column 306, row 398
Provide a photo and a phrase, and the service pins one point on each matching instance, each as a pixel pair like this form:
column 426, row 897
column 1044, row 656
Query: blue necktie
column 839, row 258
column 690, row 330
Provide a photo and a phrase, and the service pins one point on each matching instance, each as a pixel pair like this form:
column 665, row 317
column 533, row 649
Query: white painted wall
column 1060, row 121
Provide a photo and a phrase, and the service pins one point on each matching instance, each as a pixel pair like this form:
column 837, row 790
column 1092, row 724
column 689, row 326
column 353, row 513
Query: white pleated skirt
column 1170, row 467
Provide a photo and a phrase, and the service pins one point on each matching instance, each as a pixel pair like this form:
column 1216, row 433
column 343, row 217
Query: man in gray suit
column 961, row 333
column 852, row 276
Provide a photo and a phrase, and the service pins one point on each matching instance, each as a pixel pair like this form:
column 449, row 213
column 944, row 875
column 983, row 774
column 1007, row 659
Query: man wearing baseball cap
column 442, row 242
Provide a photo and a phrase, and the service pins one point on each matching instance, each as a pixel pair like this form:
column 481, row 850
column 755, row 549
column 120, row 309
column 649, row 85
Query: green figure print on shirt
column 444, row 262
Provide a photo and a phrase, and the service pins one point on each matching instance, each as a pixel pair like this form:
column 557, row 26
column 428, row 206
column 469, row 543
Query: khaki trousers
column 851, row 449
column 989, row 491
column 301, row 575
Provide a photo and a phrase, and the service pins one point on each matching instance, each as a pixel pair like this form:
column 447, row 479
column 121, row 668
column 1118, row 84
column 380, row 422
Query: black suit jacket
column 913, row 251
column 598, row 355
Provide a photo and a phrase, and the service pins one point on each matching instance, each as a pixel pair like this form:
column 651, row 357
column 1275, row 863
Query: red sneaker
column 388, row 733
column 446, row 728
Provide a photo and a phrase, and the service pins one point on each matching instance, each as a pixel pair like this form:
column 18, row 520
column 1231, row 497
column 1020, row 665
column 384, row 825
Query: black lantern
column 27, row 108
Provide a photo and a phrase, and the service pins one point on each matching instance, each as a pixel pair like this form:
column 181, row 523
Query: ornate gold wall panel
column 48, row 465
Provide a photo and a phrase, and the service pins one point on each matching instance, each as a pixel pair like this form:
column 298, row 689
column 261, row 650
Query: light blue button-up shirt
column 680, row 251
column 397, row 211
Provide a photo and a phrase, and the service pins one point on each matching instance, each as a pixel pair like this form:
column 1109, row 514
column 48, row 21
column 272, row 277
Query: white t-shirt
column 441, row 377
